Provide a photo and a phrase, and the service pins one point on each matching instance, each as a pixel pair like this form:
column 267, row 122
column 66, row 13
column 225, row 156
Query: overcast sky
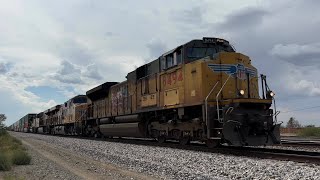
column 53, row 50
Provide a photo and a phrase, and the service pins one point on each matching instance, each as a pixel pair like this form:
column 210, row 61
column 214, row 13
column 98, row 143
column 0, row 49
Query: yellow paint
column 171, row 97
column 149, row 100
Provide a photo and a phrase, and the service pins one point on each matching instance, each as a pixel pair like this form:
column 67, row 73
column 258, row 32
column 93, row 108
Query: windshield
column 80, row 100
column 200, row 52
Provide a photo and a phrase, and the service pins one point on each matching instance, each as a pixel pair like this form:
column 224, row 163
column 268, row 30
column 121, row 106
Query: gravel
column 169, row 163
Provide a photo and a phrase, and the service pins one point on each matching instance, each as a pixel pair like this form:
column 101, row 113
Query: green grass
column 5, row 163
column 310, row 132
column 21, row 158
column 3, row 132
column 11, row 152
column 12, row 177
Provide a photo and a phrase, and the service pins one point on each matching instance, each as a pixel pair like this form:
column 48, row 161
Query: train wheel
column 212, row 143
column 161, row 139
column 184, row 140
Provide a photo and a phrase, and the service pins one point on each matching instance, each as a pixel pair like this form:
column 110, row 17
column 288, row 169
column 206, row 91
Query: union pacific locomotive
column 200, row 91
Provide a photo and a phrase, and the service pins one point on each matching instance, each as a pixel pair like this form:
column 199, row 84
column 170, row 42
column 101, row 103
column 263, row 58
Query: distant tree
column 293, row 123
column 2, row 119
column 309, row 126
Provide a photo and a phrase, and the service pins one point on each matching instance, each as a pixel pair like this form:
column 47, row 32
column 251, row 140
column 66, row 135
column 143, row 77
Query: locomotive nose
column 250, row 129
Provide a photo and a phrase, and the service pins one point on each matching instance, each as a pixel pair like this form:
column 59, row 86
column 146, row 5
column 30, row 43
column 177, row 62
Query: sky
column 51, row 51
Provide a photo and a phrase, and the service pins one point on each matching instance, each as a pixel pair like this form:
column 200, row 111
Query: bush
column 5, row 163
column 3, row 132
column 12, row 152
column 20, row 158
column 310, row 132
column 17, row 141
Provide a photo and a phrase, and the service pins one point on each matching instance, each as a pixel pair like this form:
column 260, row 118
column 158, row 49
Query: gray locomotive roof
column 100, row 91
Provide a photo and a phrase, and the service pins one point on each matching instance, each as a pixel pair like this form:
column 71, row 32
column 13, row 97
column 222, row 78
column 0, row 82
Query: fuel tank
column 122, row 130
column 127, row 119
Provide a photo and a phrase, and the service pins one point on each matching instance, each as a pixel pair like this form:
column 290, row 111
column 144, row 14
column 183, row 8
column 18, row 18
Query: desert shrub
column 5, row 163
column 3, row 132
column 310, row 132
column 20, row 157
column 17, row 141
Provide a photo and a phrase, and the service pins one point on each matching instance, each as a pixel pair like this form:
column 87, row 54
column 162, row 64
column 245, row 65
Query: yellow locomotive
column 202, row 90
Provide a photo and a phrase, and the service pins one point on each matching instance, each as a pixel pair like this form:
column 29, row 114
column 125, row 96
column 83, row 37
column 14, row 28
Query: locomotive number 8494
column 199, row 91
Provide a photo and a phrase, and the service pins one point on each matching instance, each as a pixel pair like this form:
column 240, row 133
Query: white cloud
column 3, row 68
column 68, row 73
column 92, row 72
column 309, row 87
column 19, row 94
column 156, row 48
column 305, row 55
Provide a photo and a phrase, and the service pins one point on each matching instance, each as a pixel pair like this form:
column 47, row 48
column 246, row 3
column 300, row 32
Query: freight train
column 199, row 91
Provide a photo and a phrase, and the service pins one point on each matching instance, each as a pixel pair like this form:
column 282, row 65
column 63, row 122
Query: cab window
column 179, row 57
column 200, row 52
column 169, row 61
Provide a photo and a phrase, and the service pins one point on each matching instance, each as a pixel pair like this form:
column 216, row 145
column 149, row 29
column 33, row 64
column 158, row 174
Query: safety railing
column 217, row 97
column 206, row 100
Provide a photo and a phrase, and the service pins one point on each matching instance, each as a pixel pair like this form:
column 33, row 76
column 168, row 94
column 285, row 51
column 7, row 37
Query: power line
column 301, row 109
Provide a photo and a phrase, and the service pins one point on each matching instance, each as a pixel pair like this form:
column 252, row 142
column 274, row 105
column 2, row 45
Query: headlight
column 272, row 94
column 241, row 92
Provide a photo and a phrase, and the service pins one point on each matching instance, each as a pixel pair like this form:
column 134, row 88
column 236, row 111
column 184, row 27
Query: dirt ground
column 52, row 162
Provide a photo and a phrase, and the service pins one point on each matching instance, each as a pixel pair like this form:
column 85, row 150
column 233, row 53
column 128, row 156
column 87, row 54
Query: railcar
column 67, row 118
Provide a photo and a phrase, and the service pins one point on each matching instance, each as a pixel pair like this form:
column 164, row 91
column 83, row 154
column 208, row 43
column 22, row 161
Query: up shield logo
column 236, row 70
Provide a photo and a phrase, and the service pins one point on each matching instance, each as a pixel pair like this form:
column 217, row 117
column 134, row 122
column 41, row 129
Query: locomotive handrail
column 230, row 109
column 206, row 106
column 233, row 121
column 206, row 100
column 276, row 114
column 217, row 97
column 275, row 109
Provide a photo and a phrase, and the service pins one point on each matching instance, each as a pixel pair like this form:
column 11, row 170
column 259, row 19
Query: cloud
column 109, row 34
column 244, row 19
column 309, row 87
column 15, row 92
column 305, row 55
column 73, row 50
column 68, row 73
column 3, row 68
column 92, row 72
column 156, row 48
column 189, row 16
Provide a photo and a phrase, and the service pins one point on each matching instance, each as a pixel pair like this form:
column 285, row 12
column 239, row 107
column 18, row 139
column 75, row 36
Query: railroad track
column 306, row 143
column 283, row 154
column 256, row 152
